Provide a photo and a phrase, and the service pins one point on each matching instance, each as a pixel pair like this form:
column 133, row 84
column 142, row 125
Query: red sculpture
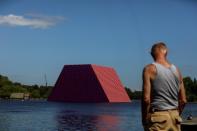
column 88, row 83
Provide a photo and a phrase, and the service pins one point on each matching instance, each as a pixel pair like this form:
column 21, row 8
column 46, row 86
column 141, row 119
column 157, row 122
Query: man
column 163, row 97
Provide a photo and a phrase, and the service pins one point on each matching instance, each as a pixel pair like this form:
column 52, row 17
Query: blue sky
column 38, row 37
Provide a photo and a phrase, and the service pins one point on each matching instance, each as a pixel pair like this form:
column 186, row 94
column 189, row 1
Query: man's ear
column 164, row 51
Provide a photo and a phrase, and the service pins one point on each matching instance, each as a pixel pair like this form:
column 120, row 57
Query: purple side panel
column 78, row 83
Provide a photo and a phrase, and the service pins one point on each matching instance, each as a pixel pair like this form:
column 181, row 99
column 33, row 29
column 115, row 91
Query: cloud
column 39, row 21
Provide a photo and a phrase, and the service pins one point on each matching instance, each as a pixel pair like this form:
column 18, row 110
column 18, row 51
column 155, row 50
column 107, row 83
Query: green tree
column 5, row 91
column 133, row 95
column 191, row 88
column 35, row 93
column 129, row 92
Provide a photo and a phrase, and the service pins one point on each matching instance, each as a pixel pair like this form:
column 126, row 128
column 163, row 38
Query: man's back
column 165, row 88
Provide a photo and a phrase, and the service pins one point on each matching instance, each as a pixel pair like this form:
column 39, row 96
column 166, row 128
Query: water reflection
column 74, row 121
column 49, row 116
column 4, row 124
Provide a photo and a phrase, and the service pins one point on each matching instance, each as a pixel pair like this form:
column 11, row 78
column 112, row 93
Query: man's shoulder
column 150, row 68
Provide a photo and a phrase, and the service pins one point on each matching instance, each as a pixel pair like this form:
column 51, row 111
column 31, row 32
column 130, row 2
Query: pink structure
column 88, row 83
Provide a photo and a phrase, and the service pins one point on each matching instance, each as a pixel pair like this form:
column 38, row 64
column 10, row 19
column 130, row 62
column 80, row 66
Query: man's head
column 159, row 49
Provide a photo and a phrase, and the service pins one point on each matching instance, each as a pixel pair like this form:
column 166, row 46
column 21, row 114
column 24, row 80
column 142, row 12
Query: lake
column 54, row 116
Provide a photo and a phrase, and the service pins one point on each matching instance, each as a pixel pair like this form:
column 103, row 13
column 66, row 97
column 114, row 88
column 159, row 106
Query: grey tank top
column 165, row 88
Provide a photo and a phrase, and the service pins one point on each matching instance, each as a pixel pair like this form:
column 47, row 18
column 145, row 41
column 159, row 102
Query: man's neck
column 163, row 61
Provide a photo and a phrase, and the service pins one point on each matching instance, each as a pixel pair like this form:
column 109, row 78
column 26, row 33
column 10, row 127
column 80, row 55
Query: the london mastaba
column 88, row 83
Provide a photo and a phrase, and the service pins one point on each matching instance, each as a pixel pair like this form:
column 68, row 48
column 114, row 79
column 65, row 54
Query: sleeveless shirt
column 165, row 88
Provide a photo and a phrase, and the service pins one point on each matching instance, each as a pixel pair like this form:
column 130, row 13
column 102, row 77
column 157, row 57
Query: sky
column 39, row 37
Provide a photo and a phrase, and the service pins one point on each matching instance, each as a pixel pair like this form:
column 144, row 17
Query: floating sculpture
column 88, row 83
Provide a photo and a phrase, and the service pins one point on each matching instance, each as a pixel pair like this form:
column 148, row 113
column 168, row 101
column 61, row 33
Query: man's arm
column 182, row 95
column 146, row 91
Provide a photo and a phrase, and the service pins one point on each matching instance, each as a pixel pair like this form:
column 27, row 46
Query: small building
column 20, row 96
column 26, row 96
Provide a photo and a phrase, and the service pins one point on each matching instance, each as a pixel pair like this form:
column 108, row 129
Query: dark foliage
column 7, row 87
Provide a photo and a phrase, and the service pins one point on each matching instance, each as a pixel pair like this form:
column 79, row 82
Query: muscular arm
column 146, row 92
column 182, row 95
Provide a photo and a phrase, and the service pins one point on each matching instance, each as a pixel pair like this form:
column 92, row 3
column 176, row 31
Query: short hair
column 160, row 45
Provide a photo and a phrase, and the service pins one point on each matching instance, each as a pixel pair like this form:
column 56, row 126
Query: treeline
column 133, row 95
column 8, row 87
column 190, row 87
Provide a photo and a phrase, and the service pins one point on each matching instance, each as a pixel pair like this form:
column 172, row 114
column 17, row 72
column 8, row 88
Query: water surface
column 53, row 116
